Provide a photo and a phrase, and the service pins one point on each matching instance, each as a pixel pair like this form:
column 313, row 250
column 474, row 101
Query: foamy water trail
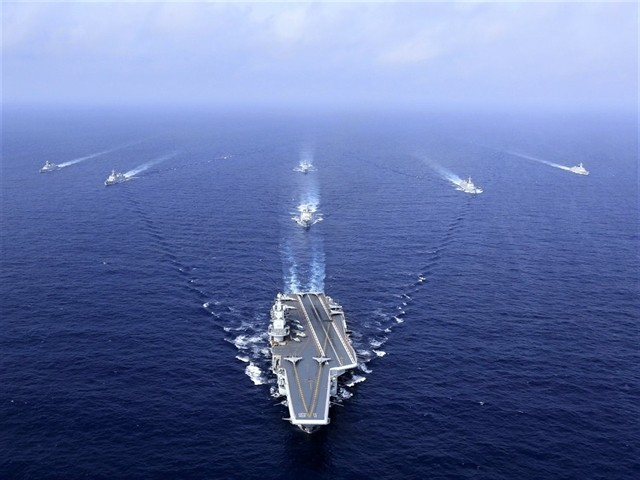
column 94, row 155
column 316, row 283
column 311, row 205
column 310, row 199
column 539, row 160
column 148, row 165
column 443, row 172
column 290, row 270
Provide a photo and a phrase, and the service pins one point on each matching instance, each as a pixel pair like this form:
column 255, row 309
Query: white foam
column 243, row 358
column 274, row 391
column 539, row 160
column 148, row 165
column 241, row 341
column 363, row 367
column 380, row 353
column 344, row 393
column 254, row 373
column 398, row 320
column 377, row 343
column 355, row 380
column 317, row 268
column 443, row 172
column 93, row 155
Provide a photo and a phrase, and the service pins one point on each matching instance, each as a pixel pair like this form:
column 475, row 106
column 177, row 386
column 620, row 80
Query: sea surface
column 497, row 334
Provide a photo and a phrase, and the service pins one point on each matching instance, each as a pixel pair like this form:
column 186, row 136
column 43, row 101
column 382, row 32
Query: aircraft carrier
column 310, row 349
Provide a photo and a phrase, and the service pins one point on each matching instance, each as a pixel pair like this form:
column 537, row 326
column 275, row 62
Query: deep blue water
column 498, row 334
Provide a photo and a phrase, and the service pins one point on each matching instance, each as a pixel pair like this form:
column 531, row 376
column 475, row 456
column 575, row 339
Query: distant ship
column 579, row 169
column 304, row 167
column 307, row 367
column 115, row 177
column 49, row 167
column 467, row 186
column 307, row 216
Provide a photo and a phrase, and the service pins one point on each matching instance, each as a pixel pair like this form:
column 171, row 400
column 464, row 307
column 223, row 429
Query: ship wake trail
column 249, row 337
column 149, row 164
column 94, row 155
column 317, row 270
column 539, row 160
column 290, row 279
column 370, row 340
column 166, row 249
column 440, row 170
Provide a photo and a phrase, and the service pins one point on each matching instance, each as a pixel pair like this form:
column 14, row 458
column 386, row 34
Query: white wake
column 148, row 165
column 94, row 155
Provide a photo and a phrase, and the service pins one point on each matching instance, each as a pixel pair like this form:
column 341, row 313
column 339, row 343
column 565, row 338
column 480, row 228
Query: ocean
column 497, row 334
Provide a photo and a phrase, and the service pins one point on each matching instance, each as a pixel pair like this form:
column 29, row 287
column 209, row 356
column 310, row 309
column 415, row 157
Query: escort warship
column 579, row 169
column 467, row 186
column 307, row 216
column 49, row 167
column 304, row 167
column 115, row 177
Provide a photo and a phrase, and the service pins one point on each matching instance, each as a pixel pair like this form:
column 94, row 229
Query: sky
column 403, row 54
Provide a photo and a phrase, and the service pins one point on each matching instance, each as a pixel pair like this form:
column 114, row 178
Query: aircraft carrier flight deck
column 310, row 349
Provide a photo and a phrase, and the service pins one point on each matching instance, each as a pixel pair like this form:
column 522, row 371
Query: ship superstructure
column 467, row 186
column 308, row 216
column 310, row 349
column 304, row 167
column 579, row 169
column 115, row 177
column 49, row 167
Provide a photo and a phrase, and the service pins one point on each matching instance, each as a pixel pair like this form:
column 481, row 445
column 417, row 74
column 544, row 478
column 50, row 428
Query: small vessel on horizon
column 115, row 177
column 579, row 169
column 49, row 167
column 467, row 186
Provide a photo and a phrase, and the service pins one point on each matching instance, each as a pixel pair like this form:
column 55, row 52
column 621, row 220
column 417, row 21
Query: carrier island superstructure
column 310, row 349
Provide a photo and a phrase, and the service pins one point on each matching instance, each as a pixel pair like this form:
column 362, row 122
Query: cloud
column 415, row 51
column 320, row 52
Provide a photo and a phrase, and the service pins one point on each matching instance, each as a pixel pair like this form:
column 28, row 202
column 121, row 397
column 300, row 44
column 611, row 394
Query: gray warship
column 310, row 348
column 50, row 167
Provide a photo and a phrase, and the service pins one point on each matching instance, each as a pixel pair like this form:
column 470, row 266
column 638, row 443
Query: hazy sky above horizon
column 321, row 54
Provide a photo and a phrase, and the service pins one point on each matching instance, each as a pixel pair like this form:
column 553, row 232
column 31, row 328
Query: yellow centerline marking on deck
column 313, row 331
column 314, row 403
column 295, row 374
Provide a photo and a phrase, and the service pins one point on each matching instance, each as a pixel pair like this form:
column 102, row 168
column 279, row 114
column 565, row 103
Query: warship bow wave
column 310, row 349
